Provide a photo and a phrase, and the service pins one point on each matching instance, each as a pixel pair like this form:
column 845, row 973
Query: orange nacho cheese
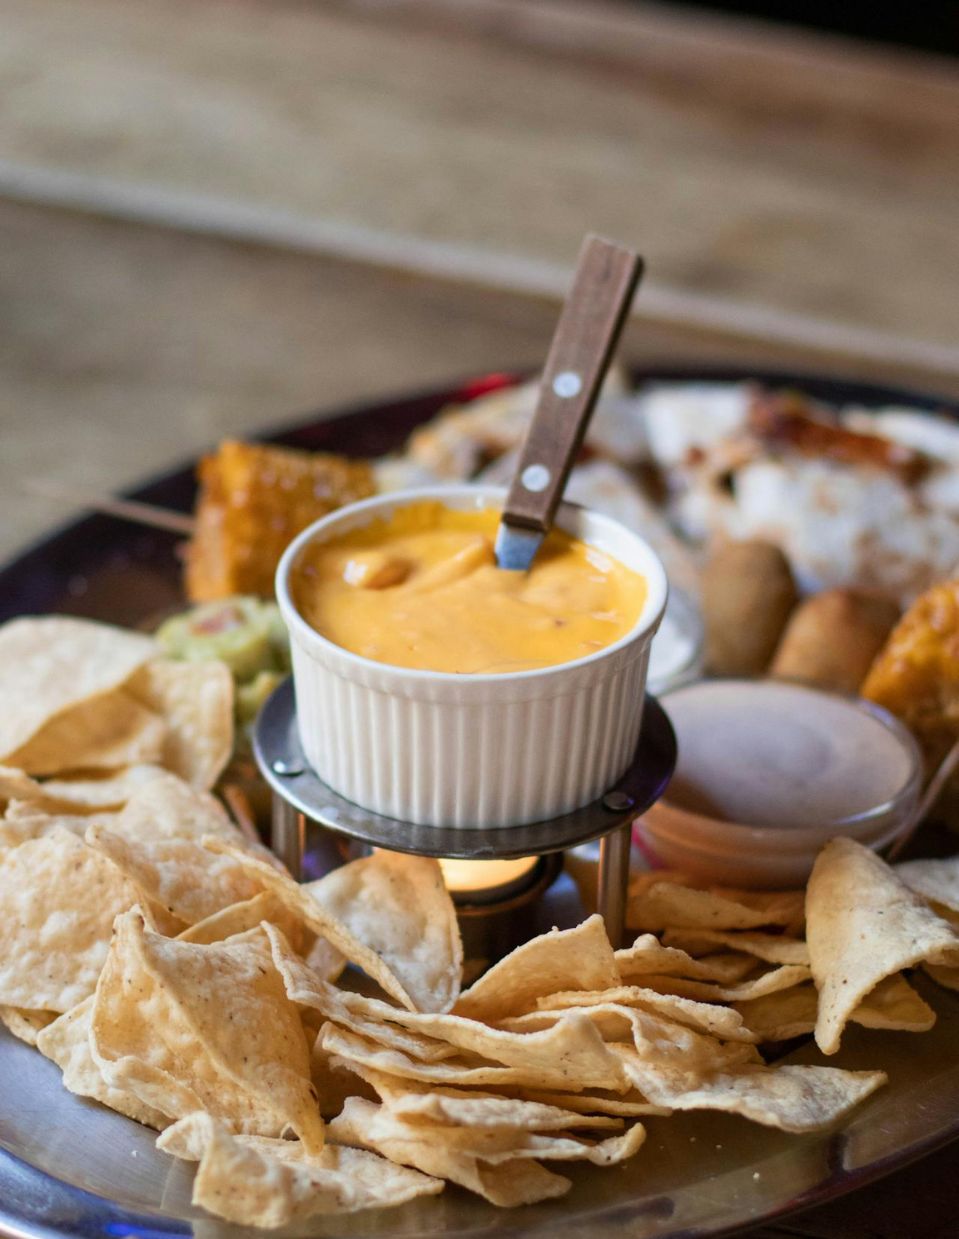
column 422, row 590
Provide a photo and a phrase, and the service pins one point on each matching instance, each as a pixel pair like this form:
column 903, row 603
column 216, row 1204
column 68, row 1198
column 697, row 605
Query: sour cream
column 781, row 755
column 769, row 771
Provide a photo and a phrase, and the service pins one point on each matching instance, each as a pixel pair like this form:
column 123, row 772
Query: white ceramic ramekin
column 441, row 749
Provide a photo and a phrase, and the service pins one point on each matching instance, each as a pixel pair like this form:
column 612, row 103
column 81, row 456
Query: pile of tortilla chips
column 88, row 708
column 793, row 963
column 309, row 1046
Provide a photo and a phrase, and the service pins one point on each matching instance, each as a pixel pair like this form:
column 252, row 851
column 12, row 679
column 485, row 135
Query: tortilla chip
column 24, row 1023
column 555, row 1146
column 892, row 1005
column 657, row 903
column 415, row 1045
column 580, row 958
column 454, row 1107
column 570, row 1050
column 180, row 874
column 864, row 924
column 109, row 791
column 717, row 1021
column 648, row 955
column 783, row 908
column 771, row 948
column 303, row 906
column 58, row 900
column 104, row 733
column 791, row 1098
column 155, row 841
column 662, row 1040
column 20, row 828
column 334, row 1081
column 492, row 1144
column 187, row 1027
column 463, row 1072
column 613, row 1021
column 320, row 956
column 67, row 1043
column 518, row 1182
column 399, row 907
column 769, row 982
column 17, row 785
column 257, row 1181
column 948, row 978
column 166, row 807
column 358, row 1014
column 935, row 880
column 628, row 1105
column 391, row 1089
column 195, row 701
column 240, row 918
column 783, row 1014
column 72, row 796
column 50, row 664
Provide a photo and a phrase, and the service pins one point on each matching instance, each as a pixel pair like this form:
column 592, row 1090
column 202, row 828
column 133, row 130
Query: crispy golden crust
column 832, row 638
column 916, row 674
column 748, row 594
column 253, row 500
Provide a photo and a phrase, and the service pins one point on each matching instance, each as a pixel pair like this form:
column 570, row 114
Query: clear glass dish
column 754, row 853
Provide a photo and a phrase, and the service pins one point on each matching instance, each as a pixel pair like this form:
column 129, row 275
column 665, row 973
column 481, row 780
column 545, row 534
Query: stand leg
column 289, row 835
column 613, row 880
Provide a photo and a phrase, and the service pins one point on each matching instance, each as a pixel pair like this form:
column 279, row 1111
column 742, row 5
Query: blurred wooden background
column 215, row 214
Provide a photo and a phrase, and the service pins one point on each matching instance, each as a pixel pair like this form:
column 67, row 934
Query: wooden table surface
column 218, row 214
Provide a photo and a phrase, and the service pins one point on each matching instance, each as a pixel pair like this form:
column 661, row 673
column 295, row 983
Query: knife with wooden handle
column 583, row 345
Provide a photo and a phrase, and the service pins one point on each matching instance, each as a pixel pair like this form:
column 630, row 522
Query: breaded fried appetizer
column 748, row 593
column 254, row 498
column 832, row 638
column 916, row 674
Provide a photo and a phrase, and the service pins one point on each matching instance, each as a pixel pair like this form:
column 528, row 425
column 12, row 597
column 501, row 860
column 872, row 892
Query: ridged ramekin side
column 503, row 763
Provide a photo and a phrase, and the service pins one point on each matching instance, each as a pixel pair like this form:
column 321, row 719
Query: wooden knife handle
column 583, row 344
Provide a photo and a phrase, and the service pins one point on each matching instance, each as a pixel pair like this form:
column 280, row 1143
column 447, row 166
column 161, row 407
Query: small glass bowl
column 754, row 855
column 676, row 655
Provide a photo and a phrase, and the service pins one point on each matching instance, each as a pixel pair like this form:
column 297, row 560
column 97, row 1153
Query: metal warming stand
column 300, row 797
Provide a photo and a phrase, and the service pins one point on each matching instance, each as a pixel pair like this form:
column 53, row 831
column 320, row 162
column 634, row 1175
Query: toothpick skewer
column 239, row 805
column 934, row 789
column 125, row 509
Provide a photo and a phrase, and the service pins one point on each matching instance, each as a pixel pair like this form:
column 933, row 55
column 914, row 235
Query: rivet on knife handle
column 583, row 345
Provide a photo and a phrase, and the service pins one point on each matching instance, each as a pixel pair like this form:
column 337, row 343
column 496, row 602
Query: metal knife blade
column 516, row 547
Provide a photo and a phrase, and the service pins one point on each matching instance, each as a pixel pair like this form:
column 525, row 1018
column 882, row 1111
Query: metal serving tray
column 70, row 1167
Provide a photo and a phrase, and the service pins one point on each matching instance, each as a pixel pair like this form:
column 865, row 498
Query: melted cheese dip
column 422, row 589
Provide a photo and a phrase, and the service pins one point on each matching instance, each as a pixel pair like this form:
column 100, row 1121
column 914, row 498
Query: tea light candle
column 486, row 881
